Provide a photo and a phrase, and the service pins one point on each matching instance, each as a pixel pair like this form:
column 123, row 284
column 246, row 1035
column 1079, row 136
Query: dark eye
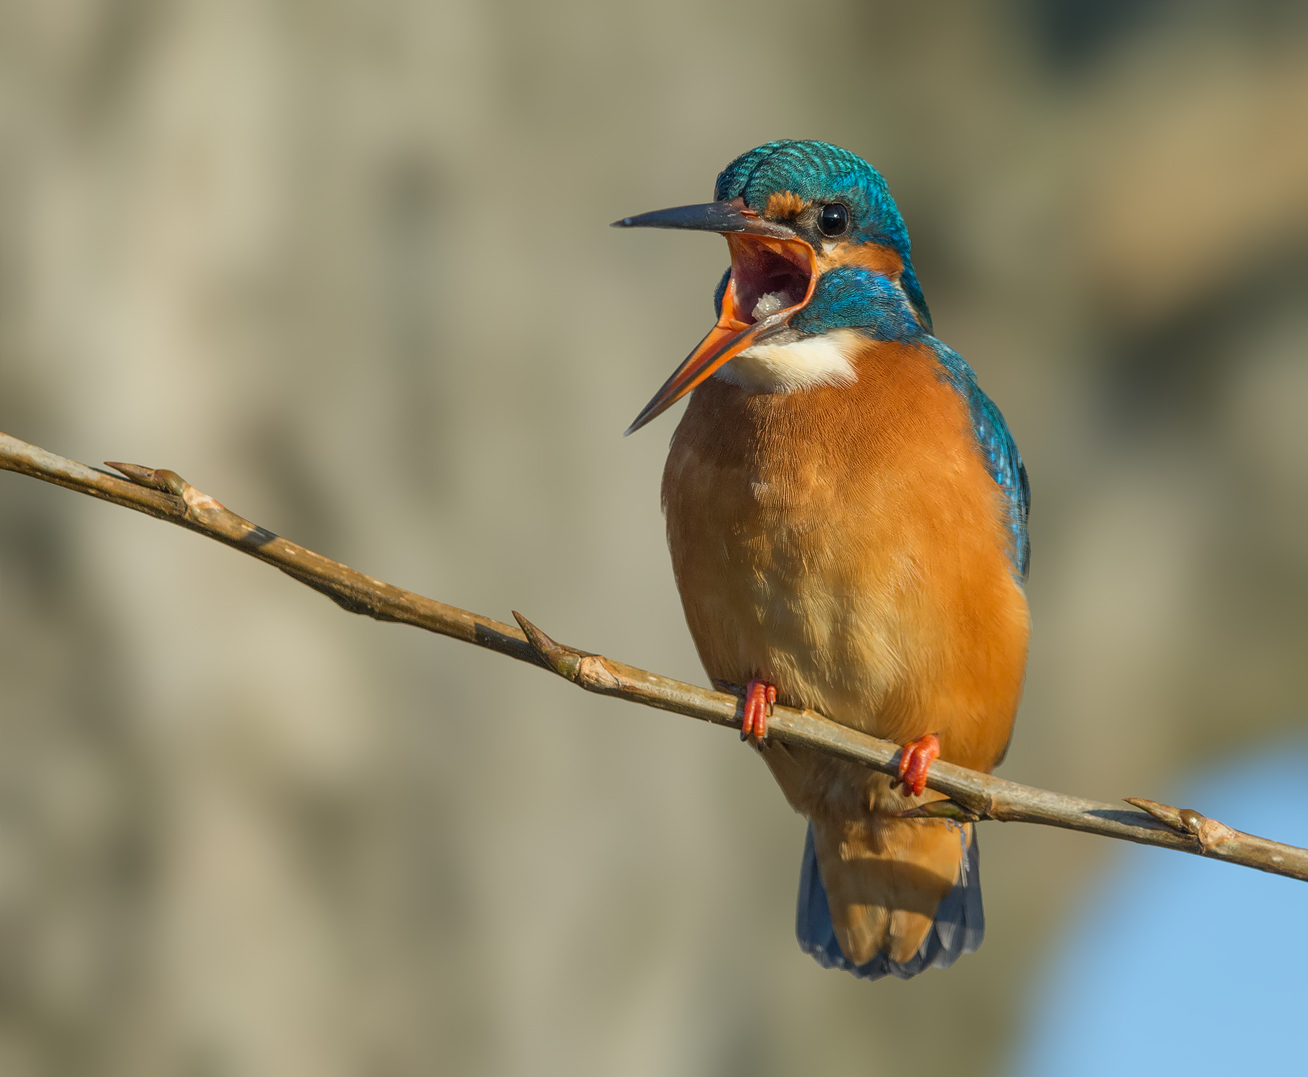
column 833, row 220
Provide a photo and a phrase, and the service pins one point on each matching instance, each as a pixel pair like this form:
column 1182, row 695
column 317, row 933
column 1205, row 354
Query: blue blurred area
column 1183, row 965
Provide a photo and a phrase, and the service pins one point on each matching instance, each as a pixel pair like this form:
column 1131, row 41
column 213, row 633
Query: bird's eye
column 833, row 220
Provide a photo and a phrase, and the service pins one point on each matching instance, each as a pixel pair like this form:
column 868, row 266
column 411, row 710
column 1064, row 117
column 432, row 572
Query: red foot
column 915, row 761
column 759, row 697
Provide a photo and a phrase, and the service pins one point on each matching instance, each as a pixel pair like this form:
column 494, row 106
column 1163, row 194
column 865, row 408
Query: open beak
column 773, row 274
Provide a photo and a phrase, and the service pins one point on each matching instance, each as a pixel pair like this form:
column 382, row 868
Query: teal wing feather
column 996, row 443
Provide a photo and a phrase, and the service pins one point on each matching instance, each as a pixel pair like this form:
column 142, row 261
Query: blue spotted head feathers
column 818, row 172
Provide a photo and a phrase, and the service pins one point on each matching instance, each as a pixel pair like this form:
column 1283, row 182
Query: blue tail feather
column 958, row 929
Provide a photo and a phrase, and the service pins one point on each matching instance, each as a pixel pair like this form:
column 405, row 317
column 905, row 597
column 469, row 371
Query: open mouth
column 771, row 278
column 773, row 274
column 768, row 277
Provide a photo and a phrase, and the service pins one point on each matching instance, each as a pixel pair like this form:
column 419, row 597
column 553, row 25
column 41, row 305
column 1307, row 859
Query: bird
column 846, row 513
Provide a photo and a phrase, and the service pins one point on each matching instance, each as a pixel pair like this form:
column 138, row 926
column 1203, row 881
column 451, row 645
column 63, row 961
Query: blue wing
column 1003, row 461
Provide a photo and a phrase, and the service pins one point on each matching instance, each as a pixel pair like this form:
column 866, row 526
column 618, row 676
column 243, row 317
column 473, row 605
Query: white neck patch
column 803, row 364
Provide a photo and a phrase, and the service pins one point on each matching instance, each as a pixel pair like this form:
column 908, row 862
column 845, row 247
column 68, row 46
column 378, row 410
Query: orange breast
column 848, row 545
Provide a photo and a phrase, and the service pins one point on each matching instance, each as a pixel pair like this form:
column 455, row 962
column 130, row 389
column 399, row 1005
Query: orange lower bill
column 732, row 334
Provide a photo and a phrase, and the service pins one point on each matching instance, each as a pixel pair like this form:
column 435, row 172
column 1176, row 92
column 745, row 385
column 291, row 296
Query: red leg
column 759, row 697
column 915, row 761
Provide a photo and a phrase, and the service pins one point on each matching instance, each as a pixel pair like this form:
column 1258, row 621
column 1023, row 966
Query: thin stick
column 972, row 796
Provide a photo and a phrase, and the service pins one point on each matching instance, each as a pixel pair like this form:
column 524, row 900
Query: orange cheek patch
column 879, row 259
column 783, row 205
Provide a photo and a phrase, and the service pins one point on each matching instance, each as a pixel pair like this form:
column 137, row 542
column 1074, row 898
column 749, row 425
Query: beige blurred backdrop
column 345, row 265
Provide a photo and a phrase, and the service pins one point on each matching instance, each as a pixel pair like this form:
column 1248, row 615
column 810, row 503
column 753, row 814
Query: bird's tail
column 958, row 927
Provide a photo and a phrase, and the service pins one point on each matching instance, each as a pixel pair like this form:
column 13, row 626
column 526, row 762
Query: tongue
column 769, row 303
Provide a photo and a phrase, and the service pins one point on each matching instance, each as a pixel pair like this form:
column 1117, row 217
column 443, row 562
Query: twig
column 972, row 796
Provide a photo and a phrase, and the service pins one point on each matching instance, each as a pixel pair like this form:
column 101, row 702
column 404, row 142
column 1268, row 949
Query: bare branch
column 972, row 796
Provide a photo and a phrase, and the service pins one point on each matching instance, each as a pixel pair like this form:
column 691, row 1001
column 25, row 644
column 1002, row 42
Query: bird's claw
column 759, row 697
column 914, row 762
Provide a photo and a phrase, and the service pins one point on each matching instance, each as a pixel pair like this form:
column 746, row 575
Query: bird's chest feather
column 843, row 542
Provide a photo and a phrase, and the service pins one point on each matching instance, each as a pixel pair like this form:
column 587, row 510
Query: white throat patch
column 802, row 364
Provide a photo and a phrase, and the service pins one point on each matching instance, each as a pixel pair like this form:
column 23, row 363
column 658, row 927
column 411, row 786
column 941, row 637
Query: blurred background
column 345, row 265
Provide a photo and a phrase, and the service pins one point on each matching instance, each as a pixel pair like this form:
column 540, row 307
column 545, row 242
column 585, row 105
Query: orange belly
column 848, row 545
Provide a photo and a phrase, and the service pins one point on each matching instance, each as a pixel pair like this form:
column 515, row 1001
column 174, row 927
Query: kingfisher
column 847, row 517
